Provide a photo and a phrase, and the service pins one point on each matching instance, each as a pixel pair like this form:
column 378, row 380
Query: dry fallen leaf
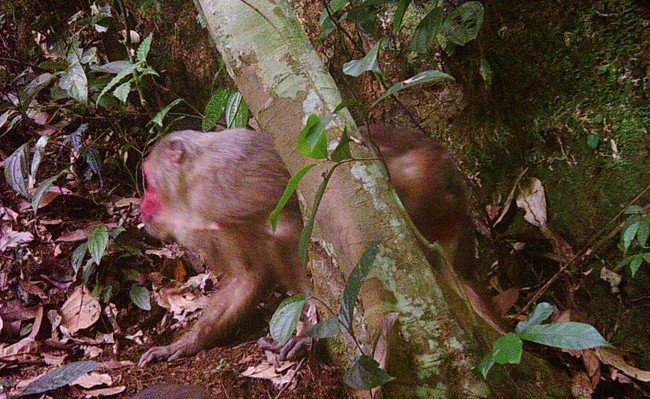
column 93, row 379
column 104, row 392
column 80, row 311
column 612, row 278
column 610, row 357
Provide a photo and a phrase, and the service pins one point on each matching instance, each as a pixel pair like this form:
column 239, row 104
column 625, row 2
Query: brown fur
column 213, row 193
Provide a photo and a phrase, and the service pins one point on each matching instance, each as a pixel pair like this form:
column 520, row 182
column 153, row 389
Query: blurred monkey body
column 214, row 192
column 432, row 190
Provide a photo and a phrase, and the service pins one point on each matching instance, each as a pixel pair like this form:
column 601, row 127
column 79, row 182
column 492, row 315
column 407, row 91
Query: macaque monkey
column 213, row 193
column 431, row 189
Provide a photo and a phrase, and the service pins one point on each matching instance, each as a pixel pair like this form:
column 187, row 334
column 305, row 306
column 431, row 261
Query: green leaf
column 365, row 15
column 39, row 83
column 367, row 63
column 342, row 150
column 643, row 232
column 74, row 81
column 541, row 312
column 326, row 329
column 569, row 335
column 593, row 141
column 160, row 116
column 351, row 290
column 16, row 170
column 284, row 320
column 97, row 243
column 635, row 264
column 114, row 67
column 116, row 79
column 305, row 234
column 236, row 111
column 425, row 34
column 288, row 192
column 312, row 141
column 365, row 373
column 39, row 150
column 485, row 365
column 635, row 210
column 122, row 91
column 143, row 49
column 507, row 349
column 402, row 6
column 43, row 187
column 60, row 377
column 214, row 108
column 628, row 235
column 78, row 256
column 463, row 24
column 140, row 297
column 420, row 78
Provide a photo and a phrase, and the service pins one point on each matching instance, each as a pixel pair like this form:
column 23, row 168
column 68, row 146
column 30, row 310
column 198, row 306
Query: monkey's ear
column 175, row 151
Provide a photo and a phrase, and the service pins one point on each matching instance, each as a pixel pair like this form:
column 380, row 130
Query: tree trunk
column 283, row 81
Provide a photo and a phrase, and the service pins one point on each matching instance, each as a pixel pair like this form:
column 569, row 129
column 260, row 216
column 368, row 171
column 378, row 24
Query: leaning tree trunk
column 283, row 81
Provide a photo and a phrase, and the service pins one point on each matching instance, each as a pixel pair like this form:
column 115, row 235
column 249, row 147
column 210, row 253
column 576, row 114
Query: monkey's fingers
column 170, row 352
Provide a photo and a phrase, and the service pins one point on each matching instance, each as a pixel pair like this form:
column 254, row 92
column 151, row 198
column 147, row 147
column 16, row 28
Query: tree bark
column 283, row 81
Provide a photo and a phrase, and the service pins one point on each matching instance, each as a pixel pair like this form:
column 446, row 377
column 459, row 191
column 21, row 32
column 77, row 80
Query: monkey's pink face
column 150, row 205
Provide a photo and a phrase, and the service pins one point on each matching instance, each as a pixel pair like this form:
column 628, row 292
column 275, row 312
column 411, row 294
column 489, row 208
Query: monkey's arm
column 225, row 308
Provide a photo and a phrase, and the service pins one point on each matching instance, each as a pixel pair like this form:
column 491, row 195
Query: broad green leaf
column 463, row 24
column 284, row 320
column 569, row 335
column 60, row 377
column 628, row 235
column 39, row 83
column 143, row 49
column 351, row 290
column 642, row 232
column 114, row 67
column 140, row 297
column 116, row 79
column 427, row 30
column 635, row 264
column 420, row 78
column 42, row 188
column 214, row 108
column 39, row 150
column 97, row 243
column 507, row 349
column 367, row 63
column 326, row 329
column 78, row 256
column 365, row 373
column 288, row 192
column 236, row 111
column 635, row 210
column 312, row 141
column 485, row 365
column 365, row 15
column 160, row 116
column 305, row 234
column 75, row 82
column 342, row 150
column 89, row 56
column 541, row 312
column 16, row 170
column 122, row 91
column 402, row 6
column 326, row 23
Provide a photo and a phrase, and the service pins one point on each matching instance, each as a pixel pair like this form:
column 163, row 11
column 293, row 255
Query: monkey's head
column 163, row 200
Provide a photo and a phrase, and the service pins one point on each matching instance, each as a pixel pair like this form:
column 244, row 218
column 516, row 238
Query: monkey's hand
column 178, row 349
